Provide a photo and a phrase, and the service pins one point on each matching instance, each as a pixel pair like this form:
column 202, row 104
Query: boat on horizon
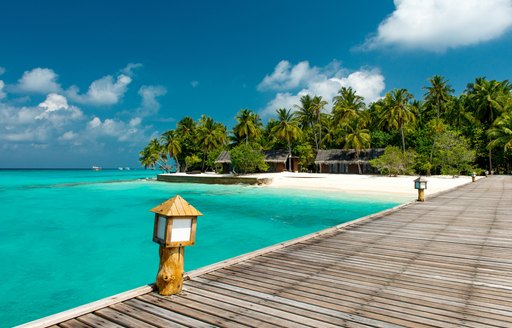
column 96, row 168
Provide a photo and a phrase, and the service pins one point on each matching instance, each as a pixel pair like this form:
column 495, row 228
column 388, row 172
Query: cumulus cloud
column 2, row 70
column 39, row 124
column 122, row 131
column 38, row 80
column 149, row 103
column 129, row 69
column 438, row 25
column 102, row 92
column 287, row 76
column 54, row 102
column 2, row 93
column 68, row 135
column 325, row 82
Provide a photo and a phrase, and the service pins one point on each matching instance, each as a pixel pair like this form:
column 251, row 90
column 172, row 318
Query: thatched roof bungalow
column 346, row 161
column 277, row 161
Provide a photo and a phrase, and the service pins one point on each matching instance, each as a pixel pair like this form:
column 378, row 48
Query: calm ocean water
column 69, row 237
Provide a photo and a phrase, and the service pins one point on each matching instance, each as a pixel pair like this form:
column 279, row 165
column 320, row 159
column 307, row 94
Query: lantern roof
column 421, row 179
column 176, row 206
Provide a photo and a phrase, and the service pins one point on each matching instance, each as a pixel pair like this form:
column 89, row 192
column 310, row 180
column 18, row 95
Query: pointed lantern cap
column 176, row 206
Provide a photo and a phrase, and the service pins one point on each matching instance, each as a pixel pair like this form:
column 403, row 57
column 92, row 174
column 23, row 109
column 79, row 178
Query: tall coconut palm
column 171, row 143
column 248, row 126
column 357, row 138
column 306, row 116
column 347, row 105
column 152, row 155
column 211, row 135
column 438, row 95
column 287, row 129
column 396, row 111
column 500, row 134
column 486, row 99
column 318, row 107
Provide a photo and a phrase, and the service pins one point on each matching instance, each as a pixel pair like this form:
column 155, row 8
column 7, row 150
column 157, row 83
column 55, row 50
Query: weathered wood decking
column 446, row 263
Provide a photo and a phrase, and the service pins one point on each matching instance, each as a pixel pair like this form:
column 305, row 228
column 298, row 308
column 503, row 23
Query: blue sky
column 87, row 83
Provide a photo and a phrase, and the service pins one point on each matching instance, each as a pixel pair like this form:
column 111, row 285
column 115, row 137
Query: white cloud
column 286, row 76
column 2, row 93
column 325, row 82
column 102, row 92
column 438, row 25
column 68, row 135
column 2, row 70
column 149, row 103
column 128, row 70
column 36, row 124
column 54, row 102
column 38, row 80
column 118, row 129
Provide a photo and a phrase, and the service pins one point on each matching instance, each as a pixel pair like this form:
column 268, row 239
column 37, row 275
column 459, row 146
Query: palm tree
column 438, row 95
column 396, row 111
column 211, row 135
column 501, row 132
column 318, row 106
column 248, row 126
column 287, row 129
column 358, row 139
column 172, row 145
column 486, row 99
column 152, row 155
column 306, row 116
column 347, row 105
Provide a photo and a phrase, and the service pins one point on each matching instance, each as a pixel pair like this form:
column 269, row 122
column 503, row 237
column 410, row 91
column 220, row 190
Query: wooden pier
column 443, row 263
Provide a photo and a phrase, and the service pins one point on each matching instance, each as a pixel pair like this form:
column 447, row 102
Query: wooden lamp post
column 473, row 177
column 175, row 227
column 421, row 185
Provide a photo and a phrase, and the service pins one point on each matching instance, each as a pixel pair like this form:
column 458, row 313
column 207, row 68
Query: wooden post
column 169, row 279
column 421, row 195
column 473, row 178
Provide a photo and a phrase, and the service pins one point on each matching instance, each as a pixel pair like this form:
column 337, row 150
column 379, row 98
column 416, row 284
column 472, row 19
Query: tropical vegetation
column 441, row 133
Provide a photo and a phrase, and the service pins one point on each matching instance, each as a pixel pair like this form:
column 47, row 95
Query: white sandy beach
column 364, row 184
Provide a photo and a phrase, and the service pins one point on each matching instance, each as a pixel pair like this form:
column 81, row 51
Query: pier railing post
column 174, row 228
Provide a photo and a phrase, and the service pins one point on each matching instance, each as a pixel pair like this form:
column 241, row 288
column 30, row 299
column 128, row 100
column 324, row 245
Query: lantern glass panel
column 181, row 229
column 161, row 227
column 417, row 184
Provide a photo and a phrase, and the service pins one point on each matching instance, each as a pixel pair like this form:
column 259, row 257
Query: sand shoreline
column 401, row 186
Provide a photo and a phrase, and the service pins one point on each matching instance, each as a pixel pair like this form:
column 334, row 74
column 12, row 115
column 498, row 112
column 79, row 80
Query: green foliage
column 247, row 158
column 452, row 153
column 192, row 163
column 394, row 162
column 306, row 155
column 482, row 115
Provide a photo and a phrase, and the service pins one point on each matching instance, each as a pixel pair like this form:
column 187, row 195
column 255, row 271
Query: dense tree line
column 441, row 133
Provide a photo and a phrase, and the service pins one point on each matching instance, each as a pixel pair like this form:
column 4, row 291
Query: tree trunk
column 169, row 279
column 290, row 157
column 358, row 163
column 403, row 137
column 490, row 161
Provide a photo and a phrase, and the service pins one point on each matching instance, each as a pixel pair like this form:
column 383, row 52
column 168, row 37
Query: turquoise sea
column 70, row 237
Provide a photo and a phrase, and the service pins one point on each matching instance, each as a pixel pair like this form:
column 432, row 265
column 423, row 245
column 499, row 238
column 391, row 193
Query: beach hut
column 346, row 161
column 223, row 161
column 277, row 161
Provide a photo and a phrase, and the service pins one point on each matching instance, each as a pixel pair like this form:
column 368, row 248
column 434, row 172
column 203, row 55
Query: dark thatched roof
column 346, row 156
column 271, row 156
column 224, row 157
column 275, row 156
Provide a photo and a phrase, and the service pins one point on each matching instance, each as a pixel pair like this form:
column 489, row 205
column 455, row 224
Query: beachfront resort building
column 277, row 160
column 346, row 160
